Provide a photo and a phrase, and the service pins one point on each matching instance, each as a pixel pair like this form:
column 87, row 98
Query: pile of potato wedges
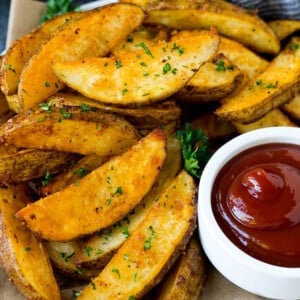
column 92, row 185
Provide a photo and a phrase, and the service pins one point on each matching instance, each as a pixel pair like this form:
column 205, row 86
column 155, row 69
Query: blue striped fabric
column 273, row 9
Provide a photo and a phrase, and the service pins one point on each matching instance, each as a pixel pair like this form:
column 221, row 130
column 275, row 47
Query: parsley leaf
column 195, row 152
column 57, row 7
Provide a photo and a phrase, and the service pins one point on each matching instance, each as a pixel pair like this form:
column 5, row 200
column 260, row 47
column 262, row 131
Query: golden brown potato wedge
column 292, row 108
column 70, row 129
column 24, row 165
column 229, row 20
column 62, row 255
column 149, row 35
column 213, row 81
column 22, row 49
column 103, row 245
column 273, row 118
column 78, row 170
column 141, row 117
column 22, row 254
column 139, row 77
column 186, row 278
column 117, row 189
column 148, row 253
column 246, row 60
column 284, row 28
column 276, row 85
column 92, row 35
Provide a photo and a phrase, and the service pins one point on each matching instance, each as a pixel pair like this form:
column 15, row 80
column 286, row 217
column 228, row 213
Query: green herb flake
column 125, row 231
column 66, row 257
column 47, row 179
column 146, row 49
column 26, row 249
column 65, row 114
column 75, row 294
column 131, row 297
column 177, row 48
column 10, row 68
column 118, row 191
column 93, row 285
column 148, row 241
column 124, row 91
column 85, row 107
column 167, row 67
column 220, row 66
column 117, row 271
column 47, row 84
column 87, row 250
column 294, row 46
column 118, row 64
column 46, row 106
column 82, row 172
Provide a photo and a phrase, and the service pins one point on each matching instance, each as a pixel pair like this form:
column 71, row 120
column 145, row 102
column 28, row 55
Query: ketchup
column 256, row 202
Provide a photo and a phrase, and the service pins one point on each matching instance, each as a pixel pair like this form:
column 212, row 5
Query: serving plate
column 217, row 286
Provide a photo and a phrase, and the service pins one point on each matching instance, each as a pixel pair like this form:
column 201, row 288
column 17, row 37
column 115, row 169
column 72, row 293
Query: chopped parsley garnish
column 167, row 67
column 294, row 46
column 46, row 106
column 82, row 172
column 146, row 49
column 118, row 64
column 115, row 270
column 85, row 107
column 57, row 7
column 194, row 146
column 47, row 179
column 148, row 241
column 178, row 49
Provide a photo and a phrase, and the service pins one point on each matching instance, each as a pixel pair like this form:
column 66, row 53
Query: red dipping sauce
column 256, row 202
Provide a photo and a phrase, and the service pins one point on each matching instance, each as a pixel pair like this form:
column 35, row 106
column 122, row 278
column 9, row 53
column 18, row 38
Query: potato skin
column 22, row 255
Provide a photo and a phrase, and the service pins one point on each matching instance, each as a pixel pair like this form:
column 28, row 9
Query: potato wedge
column 141, row 117
column 284, row 28
column 78, row 170
column 24, row 165
column 97, row 250
column 139, row 77
column 267, row 90
column 62, row 256
column 23, row 255
column 148, row 253
column 117, row 189
column 229, row 20
column 246, row 60
column 213, row 81
column 22, row 49
column 186, row 278
column 150, row 35
column 92, row 35
column 69, row 129
column 292, row 108
column 273, row 118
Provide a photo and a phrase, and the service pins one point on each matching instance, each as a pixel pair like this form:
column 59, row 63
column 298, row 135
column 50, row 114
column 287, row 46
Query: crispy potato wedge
column 229, row 20
column 246, row 60
column 92, row 35
column 186, row 278
column 139, row 77
column 284, row 28
column 24, row 165
column 148, row 253
column 141, row 117
column 292, row 108
column 273, row 118
column 103, row 245
column 149, row 35
column 213, row 127
column 4, row 108
column 117, row 189
column 78, row 170
column 22, row 49
column 23, row 255
column 62, row 256
column 213, row 81
column 70, row 130
column 267, row 90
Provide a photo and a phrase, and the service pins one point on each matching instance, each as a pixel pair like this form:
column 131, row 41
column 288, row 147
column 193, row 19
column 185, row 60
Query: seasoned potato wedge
column 148, row 253
column 62, row 255
column 70, row 129
column 284, row 28
column 105, row 243
column 229, row 19
column 292, row 108
column 213, row 81
column 273, row 118
column 141, row 117
column 22, row 49
column 117, row 189
column 186, row 278
column 149, row 35
column 246, row 60
column 4, row 108
column 139, row 77
column 24, row 165
column 78, row 170
column 92, row 35
column 267, row 90
column 22, row 254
